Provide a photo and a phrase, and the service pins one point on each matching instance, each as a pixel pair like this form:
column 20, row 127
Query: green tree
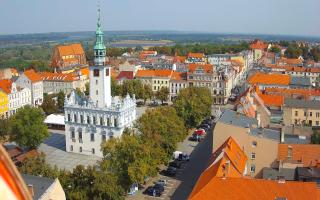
column 115, row 88
column 49, row 105
column 60, row 100
column 315, row 137
column 4, row 129
column 79, row 92
column 315, row 53
column 293, row 51
column 87, row 91
column 193, row 104
column 147, row 93
column 27, row 127
column 163, row 94
column 275, row 49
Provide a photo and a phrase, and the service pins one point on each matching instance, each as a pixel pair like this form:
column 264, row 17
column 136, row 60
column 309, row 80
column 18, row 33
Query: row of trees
column 201, row 48
column 140, row 90
column 136, row 155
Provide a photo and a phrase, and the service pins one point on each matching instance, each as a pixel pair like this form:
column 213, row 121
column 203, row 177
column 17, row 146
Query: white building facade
column 91, row 121
column 18, row 97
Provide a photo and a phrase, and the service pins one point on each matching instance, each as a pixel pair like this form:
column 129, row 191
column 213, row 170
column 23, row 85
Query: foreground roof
column 269, row 79
column 5, row 85
column 253, row 189
column 306, row 154
column 40, row 184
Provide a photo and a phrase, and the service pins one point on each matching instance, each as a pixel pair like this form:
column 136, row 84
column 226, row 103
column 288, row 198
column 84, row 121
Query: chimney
column 30, row 188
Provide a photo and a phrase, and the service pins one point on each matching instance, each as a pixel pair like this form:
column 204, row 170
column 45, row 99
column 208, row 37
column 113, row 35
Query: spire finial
column 99, row 19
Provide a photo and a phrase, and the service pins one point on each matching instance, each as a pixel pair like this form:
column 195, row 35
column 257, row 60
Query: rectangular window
column 81, row 119
column 93, row 151
column 71, row 147
column 252, row 168
column 317, row 114
column 115, row 122
column 310, row 122
column 80, row 149
column 310, row 114
column 75, row 118
column 103, row 137
column 92, row 137
column 289, row 152
column 108, row 121
column 88, row 120
column 305, row 113
column 296, row 113
column 107, row 72
column 72, row 134
column 94, row 120
column 96, row 72
column 253, row 156
column 317, row 123
column 101, row 121
column 69, row 118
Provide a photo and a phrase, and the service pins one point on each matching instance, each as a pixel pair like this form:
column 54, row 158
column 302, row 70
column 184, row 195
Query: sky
column 284, row 17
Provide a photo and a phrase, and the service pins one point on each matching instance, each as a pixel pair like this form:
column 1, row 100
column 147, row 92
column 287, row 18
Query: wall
column 55, row 191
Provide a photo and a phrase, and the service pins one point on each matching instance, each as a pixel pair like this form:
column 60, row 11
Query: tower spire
column 99, row 47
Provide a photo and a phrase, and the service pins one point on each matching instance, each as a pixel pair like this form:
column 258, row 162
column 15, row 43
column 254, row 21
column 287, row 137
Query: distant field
column 143, row 43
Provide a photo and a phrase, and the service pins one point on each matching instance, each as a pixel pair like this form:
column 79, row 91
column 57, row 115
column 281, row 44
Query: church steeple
column 99, row 47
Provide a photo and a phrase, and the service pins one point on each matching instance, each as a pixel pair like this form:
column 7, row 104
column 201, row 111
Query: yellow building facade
column 4, row 105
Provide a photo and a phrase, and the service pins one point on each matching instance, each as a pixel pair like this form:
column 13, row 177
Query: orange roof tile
column 269, row 79
column 258, row 44
column 272, row 100
column 178, row 76
column 253, row 189
column 114, row 73
column 5, row 85
column 195, row 55
column 290, row 61
column 228, row 160
column 85, row 71
column 48, row 76
column 292, row 92
column 32, row 76
column 72, row 49
column 180, row 59
column 306, row 154
column 207, row 67
column 294, row 68
column 154, row 73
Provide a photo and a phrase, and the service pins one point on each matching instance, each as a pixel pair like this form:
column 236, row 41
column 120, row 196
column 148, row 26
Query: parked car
column 152, row 192
column 175, row 164
column 162, row 182
column 200, row 131
column 196, row 138
column 205, row 126
column 183, row 157
column 159, row 187
column 171, row 171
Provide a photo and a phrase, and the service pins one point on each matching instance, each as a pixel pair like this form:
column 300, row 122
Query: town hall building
column 91, row 121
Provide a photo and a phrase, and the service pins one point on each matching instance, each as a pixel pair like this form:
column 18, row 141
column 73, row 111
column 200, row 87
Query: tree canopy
column 163, row 94
column 27, row 128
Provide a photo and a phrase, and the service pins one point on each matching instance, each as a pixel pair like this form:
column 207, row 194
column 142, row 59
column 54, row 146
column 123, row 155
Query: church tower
column 100, row 77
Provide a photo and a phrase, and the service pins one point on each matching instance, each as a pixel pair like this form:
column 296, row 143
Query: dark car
column 159, row 187
column 175, row 164
column 152, row 192
column 171, row 171
column 183, row 157
column 196, row 138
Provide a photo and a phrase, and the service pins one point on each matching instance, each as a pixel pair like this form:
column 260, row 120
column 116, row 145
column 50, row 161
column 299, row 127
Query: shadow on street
column 198, row 162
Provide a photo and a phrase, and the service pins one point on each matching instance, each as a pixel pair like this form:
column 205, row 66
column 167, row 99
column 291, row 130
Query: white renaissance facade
column 91, row 121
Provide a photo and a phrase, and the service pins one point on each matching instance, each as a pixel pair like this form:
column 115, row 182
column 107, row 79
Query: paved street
column 54, row 148
column 180, row 186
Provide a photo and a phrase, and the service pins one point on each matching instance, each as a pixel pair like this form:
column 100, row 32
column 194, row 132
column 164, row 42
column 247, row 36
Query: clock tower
column 100, row 76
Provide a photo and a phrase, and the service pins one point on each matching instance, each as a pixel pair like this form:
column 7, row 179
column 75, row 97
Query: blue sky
column 294, row 17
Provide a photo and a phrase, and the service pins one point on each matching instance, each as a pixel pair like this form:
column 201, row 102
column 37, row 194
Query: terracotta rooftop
column 253, row 189
column 258, row 44
column 195, row 55
column 5, row 85
column 154, row 73
column 269, row 79
column 72, row 49
column 227, row 161
column 272, row 100
column 306, row 154
column 180, row 59
column 85, row 71
column 290, row 61
column 286, row 91
column 294, row 68
column 49, row 76
column 207, row 68
column 125, row 75
column 178, row 76
column 32, row 75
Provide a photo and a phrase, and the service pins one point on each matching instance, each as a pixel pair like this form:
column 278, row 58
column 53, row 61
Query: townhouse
column 196, row 58
column 55, row 82
column 155, row 78
column 32, row 80
column 258, row 47
column 178, row 81
column 301, row 112
column 4, row 105
column 17, row 96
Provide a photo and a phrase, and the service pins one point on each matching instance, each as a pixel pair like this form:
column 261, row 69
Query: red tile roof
column 125, row 75
column 178, row 76
column 290, row 61
column 5, row 85
column 180, row 59
column 195, row 55
column 272, row 100
column 258, row 44
column 207, row 67
column 306, row 154
column 256, row 189
column 154, row 73
column 269, row 79
column 286, row 91
column 48, row 76
column 228, row 160
column 295, row 68
column 72, row 49
column 32, row 76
